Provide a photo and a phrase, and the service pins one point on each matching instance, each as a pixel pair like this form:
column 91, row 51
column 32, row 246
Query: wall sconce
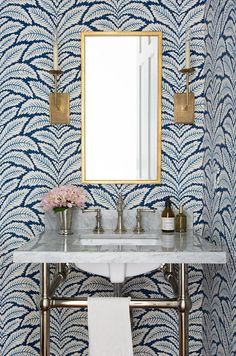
column 184, row 103
column 59, row 103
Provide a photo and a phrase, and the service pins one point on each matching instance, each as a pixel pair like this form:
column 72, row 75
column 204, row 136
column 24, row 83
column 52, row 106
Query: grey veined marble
column 150, row 247
column 150, row 221
column 118, row 256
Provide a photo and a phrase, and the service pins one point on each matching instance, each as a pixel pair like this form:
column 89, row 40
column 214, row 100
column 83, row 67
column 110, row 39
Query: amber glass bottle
column 168, row 218
column 181, row 221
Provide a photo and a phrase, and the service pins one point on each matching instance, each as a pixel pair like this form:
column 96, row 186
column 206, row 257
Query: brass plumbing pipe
column 170, row 276
column 62, row 271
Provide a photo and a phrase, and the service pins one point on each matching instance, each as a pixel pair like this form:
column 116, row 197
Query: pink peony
column 64, row 197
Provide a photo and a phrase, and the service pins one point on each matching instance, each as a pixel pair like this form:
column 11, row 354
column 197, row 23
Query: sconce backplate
column 59, row 108
column 184, row 108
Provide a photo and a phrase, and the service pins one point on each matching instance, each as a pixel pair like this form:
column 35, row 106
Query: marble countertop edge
column 201, row 257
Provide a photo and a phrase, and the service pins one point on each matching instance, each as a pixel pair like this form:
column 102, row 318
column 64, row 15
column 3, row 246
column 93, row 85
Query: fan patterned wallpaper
column 36, row 156
column 219, row 213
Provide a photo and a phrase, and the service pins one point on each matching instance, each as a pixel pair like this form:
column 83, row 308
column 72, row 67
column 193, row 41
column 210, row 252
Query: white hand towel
column 109, row 327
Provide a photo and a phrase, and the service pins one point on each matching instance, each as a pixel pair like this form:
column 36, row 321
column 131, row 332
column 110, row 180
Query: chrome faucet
column 120, row 228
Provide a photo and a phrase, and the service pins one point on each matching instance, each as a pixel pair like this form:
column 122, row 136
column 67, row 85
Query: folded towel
column 109, row 327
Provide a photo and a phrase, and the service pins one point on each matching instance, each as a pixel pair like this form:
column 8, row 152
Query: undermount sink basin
column 110, row 242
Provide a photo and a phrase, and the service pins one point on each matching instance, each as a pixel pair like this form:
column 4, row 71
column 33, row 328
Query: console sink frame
column 181, row 302
column 53, row 249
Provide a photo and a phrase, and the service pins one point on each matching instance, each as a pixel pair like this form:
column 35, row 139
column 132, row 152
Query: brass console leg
column 182, row 303
column 45, row 311
column 184, row 307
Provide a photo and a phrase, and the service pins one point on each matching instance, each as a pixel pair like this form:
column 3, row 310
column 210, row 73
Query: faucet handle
column 89, row 210
column 98, row 228
column 138, row 228
column 151, row 210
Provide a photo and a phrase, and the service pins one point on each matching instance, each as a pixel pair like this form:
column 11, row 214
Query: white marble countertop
column 151, row 247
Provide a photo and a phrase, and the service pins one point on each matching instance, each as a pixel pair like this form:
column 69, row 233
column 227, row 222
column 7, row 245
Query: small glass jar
column 181, row 221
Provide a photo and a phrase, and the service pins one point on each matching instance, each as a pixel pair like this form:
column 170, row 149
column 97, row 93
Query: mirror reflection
column 121, row 98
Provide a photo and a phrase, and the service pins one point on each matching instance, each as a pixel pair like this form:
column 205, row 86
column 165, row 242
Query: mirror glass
column 121, row 107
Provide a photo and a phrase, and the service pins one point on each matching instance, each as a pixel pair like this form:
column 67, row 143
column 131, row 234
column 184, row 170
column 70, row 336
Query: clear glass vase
column 65, row 221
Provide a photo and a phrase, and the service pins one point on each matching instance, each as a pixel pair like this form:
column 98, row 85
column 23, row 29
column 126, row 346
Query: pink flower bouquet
column 64, row 197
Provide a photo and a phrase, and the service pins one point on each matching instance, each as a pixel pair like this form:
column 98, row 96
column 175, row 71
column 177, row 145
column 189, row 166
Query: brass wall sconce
column 184, row 103
column 59, row 103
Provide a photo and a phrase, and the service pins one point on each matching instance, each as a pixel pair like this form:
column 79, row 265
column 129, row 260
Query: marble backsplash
column 150, row 221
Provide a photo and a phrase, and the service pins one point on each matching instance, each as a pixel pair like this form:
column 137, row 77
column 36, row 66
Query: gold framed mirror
column 121, row 107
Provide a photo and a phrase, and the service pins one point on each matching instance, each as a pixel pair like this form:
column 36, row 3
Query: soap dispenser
column 168, row 218
column 181, row 221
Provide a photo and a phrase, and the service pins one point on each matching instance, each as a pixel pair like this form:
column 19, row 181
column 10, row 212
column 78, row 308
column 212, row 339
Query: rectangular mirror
column 121, row 107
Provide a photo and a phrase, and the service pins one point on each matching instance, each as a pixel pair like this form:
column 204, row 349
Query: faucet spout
column 120, row 228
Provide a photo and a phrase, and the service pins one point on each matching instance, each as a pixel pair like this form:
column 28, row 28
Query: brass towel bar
column 134, row 303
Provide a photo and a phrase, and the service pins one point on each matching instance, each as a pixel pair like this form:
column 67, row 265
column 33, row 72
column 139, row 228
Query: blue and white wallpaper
column 36, row 156
column 219, row 198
